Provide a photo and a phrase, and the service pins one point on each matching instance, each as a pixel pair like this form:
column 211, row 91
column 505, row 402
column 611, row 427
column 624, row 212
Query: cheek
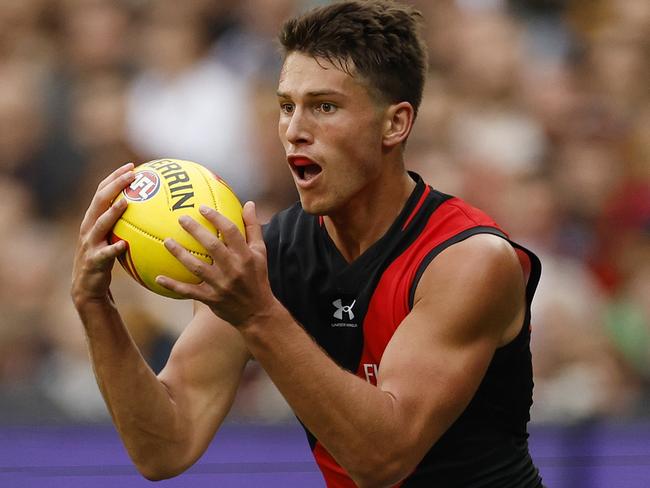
column 364, row 148
column 282, row 131
column 360, row 135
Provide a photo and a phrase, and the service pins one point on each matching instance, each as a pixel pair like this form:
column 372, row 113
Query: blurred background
column 536, row 111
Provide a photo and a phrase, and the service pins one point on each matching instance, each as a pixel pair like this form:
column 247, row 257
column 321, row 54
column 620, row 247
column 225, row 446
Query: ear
column 398, row 123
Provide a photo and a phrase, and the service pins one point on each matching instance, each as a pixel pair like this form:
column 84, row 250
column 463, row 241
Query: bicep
column 202, row 375
column 465, row 302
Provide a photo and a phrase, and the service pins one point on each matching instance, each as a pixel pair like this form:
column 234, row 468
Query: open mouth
column 305, row 168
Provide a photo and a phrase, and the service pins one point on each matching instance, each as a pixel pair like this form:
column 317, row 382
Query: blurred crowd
column 536, row 111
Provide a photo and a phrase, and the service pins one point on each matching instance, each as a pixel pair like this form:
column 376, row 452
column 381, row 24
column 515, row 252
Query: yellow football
column 162, row 191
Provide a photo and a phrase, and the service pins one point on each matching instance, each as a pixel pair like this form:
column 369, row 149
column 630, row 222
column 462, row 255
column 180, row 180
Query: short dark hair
column 377, row 39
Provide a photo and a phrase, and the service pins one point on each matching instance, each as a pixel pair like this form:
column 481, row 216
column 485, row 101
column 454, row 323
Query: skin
column 469, row 301
column 175, row 414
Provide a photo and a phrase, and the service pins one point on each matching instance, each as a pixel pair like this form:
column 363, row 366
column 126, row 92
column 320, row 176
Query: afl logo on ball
column 144, row 187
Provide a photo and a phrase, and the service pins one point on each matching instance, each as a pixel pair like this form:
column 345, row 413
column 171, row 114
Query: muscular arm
column 469, row 301
column 430, row 370
column 166, row 422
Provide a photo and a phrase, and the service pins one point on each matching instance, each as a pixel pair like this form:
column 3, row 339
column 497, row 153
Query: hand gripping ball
column 162, row 191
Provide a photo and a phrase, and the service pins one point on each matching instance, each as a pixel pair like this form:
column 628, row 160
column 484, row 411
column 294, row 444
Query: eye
column 286, row 108
column 326, row 108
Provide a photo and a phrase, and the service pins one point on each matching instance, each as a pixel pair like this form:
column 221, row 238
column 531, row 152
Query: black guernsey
column 352, row 310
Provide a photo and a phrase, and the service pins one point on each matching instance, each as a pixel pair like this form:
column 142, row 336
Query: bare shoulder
column 479, row 283
column 469, row 301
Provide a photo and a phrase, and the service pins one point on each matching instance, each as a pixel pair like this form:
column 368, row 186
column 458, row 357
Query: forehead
column 302, row 74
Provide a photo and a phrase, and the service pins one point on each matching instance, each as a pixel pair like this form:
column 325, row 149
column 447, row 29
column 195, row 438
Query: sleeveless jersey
column 352, row 310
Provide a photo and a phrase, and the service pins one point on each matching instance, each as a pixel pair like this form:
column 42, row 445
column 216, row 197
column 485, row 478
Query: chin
column 312, row 207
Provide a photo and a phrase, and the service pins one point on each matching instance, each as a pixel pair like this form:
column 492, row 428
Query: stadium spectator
column 549, row 135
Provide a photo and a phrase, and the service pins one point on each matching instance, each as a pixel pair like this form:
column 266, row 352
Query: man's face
column 331, row 129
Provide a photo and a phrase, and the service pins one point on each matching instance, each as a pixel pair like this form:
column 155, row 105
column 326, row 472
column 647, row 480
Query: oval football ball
column 162, row 191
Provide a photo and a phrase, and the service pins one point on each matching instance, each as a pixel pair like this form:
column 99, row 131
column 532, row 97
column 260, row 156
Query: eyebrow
column 313, row 94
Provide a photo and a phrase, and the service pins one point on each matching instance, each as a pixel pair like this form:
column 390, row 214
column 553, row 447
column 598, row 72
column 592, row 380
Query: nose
column 298, row 129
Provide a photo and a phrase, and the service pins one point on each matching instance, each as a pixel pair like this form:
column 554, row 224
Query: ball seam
column 131, row 224
column 214, row 199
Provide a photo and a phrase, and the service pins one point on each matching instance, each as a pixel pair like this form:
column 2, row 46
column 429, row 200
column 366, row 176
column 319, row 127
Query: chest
column 351, row 311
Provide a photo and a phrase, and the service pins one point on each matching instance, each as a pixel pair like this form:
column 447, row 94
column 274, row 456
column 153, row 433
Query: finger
column 115, row 174
column 106, row 221
column 215, row 247
column 106, row 254
column 108, row 193
column 186, row 290
column 194, row 265
column 230, row 233
column 254, row 233
column 102, row 258
column 104, row 197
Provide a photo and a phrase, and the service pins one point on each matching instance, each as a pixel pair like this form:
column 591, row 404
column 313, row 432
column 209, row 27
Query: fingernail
column 184, row 219
column 204, row 209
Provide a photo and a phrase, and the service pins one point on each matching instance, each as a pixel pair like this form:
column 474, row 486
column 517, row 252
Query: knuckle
column 260, row 248
column 176, row 287
column 97, row 202
column 222, row 224
column 227, row 224
column 105, row 252
column 102, row 222
column 103, row 255
column 102, row 190
column 197, row 267
column 213, row 246
column 247, row 262
column 231, row 229
column 83, row 246
column 229, row 282
column 102, row 196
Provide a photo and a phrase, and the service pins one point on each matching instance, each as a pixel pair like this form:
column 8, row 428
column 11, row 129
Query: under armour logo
column 341, row 309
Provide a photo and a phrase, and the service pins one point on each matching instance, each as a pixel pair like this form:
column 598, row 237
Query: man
column 394, row 319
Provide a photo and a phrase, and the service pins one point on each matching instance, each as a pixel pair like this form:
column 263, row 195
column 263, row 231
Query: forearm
column 349, row 416
column 140, row 405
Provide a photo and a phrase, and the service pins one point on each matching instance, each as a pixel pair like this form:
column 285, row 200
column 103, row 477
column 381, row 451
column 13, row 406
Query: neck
column 368, row 217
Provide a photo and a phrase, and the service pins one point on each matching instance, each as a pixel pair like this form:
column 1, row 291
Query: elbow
column 155, row 475
column 155, row 465
column 382, row 470
column 382, row 478
column 158, row 472
column 160, row 457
